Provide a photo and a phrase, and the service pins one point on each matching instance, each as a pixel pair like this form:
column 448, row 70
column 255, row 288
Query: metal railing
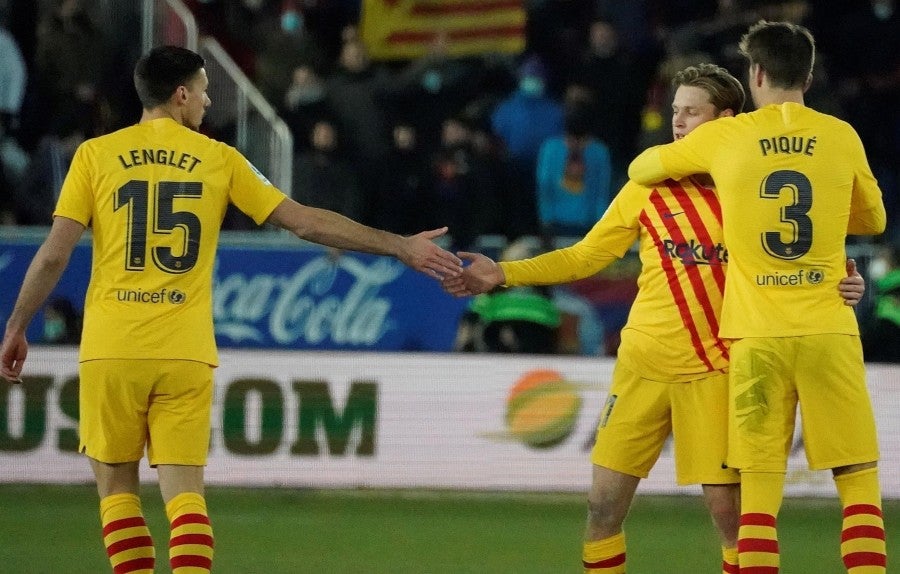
column 239, row 114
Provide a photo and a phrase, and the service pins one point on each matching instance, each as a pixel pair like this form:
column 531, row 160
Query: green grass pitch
column 55, row 529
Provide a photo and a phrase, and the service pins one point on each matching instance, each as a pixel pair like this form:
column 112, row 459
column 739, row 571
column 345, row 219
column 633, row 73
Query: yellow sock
column 862, row 538
column 191, row 541
column 761, row 496
column 730, row 561
column 125, row 535
column 605, row 556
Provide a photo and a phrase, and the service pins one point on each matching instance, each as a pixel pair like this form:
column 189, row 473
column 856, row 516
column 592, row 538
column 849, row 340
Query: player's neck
column 158, row 113
column 768, row 97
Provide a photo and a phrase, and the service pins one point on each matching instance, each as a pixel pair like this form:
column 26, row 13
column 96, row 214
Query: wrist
column 500, row 274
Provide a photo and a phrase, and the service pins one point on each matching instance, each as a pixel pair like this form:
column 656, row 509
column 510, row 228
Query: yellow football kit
column 154, row 195
column 671, row 335
column 793, row 183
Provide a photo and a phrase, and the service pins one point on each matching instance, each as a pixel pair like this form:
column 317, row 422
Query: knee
column 723, row 503
column 605, row 516
column 726, row 517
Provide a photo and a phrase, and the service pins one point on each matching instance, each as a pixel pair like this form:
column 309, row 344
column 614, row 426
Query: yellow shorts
column 825, row 374
column 640, row 414
column 163, row 405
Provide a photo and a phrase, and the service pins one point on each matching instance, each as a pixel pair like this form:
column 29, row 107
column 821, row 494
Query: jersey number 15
column 135, row 197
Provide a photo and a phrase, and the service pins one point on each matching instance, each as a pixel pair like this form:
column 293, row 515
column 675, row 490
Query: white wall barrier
column 387, row 420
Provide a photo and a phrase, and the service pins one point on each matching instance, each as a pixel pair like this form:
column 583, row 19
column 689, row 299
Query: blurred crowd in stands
column 534, row 144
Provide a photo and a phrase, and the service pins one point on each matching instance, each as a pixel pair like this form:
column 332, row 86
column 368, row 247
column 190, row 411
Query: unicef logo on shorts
column 177, row 297
column 815, row 276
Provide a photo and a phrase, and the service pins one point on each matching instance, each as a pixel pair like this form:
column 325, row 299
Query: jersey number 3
column 135, row 196
column 795, row 214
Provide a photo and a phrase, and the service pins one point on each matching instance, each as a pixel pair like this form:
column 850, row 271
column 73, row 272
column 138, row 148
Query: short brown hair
column 784, row 50
column 725, row 91
column 159, row 73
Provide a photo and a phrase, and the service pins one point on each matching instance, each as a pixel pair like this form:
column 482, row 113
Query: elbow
column 52, row 261
column 640, row 173
column 633, row 173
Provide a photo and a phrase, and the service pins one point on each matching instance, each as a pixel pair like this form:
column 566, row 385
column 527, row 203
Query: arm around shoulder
column 647, row 168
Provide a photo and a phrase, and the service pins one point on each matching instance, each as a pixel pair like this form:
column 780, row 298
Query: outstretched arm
column 44, row 272
column 326, row 227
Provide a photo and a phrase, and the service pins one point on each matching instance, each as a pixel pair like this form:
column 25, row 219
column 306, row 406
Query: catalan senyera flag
column 403, row 29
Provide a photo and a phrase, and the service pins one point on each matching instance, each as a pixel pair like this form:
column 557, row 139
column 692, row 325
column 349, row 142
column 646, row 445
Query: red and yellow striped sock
column 125, row 535
column 605, row 556
column 862, row 538
column 761, row 496
column 730, row 561
column 191, row 541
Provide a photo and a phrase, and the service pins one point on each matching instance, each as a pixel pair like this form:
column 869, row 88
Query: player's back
column 155, row 195
column 789, row 179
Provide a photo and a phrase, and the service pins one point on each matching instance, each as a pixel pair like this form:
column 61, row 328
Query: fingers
column 853, row 286
column 434, row 233
column 851, row 299
column 445, row 266
column 852, row 289
column 459, row 290
column 11, row 361
column 12, row 373
column 456, row 286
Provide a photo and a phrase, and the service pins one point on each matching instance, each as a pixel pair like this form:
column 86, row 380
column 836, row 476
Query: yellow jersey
column 793, row 183
column 155, row 195
column 671, row 334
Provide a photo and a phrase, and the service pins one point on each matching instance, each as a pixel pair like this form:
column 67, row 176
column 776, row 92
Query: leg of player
column 191, row 540
column 762, row 493
column 863, row 546
column 724, row 504
column 608, row 502
column 125, row 533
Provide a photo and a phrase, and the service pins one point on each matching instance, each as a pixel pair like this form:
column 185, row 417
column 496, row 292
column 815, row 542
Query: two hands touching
column 419, row 252
column 481, row 275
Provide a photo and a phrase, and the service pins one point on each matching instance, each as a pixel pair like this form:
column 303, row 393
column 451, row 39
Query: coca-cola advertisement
column 296, row 296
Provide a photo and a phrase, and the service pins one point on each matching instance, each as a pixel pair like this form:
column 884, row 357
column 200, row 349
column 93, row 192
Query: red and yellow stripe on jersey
column 155, row 194
column 672, row 330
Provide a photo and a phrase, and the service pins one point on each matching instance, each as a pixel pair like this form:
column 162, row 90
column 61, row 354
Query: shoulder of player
column 634, row 196
column 132, row 138
column 637, row 190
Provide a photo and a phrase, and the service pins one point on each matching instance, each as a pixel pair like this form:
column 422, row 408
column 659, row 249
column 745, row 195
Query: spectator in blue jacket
column 522, row 122
column 573, row 177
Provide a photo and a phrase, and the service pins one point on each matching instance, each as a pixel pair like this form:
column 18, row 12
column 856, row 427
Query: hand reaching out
column 422, row 254
column 480, row 276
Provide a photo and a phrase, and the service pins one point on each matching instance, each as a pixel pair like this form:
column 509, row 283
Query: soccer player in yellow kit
column 671, row 372
column 155, row 195
column 793, row 183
